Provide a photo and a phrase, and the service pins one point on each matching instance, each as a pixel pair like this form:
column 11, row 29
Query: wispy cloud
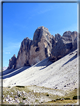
column 39, row 11
column 44, row 11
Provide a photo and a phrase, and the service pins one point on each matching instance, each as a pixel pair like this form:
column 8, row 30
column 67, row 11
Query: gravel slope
column 62, row 74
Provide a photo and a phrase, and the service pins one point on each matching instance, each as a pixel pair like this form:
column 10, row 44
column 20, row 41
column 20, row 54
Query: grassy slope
column 70, row 94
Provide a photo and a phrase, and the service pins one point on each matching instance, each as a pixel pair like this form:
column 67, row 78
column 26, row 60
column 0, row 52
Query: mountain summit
column 42, row 46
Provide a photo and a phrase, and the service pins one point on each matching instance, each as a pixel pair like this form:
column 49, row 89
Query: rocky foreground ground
column 31, row 95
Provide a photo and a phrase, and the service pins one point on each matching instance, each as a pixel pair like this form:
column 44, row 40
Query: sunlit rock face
column 64, row 45
column 33, row 51
column 41, row 45
column 24, row 53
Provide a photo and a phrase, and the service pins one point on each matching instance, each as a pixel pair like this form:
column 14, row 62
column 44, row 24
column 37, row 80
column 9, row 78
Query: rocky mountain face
column 42, row 46
column 24, row 53
column 33, row 51
column 64, row 45
column 12, row 62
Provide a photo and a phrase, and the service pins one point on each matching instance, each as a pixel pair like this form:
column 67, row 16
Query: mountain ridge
column 42, row 46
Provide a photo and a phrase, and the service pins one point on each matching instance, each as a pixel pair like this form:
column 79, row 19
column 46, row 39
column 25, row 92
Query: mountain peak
column 42, row 46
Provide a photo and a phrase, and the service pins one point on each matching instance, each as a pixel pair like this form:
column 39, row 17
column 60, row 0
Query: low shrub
column 36, row 100
column 54, row 100
column 58, row 99
column 47, row 95
column 24, row 98
column 21, row 86
column 66, row 98
column 9, row 87
column 19, row 95
column 21, row 103
column 75, row 97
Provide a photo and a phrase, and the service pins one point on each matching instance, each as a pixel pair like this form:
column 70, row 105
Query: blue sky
column 20, row 20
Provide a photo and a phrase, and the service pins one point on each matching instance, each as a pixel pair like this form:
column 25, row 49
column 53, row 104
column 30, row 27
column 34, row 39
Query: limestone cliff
column 44, row 45
column 12, row 62
column 64, row 45
column 24, row 53
column 33, row 51
column 41, row 45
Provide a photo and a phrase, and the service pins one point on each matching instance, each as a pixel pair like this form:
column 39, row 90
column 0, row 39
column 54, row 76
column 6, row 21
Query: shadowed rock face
column 64, row 45
column 57, row 37
column 12, row 62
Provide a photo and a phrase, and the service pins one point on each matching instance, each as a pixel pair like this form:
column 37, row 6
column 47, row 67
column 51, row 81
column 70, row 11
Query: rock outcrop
column 57, row 37
column 12, row 62
column 42, row 46
column 24, row 53
column 64, row 45
column 33, row 51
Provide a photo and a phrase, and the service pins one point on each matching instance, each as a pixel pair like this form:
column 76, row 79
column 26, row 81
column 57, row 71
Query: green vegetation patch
column 69, row 97
column 24, row 98
column 47, row 95
column 21, row 86
column 61, row 101
column 75, row 97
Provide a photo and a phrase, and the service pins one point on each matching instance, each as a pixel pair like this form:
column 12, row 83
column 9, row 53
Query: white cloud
column 44, row 11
